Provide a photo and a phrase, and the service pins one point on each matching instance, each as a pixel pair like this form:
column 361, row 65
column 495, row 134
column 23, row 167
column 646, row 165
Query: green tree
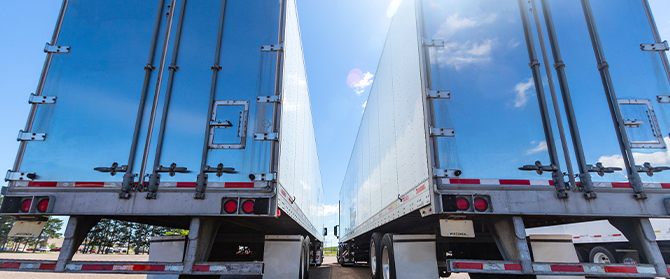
column 6, row 223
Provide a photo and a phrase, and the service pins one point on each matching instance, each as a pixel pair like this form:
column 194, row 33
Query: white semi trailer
column 487, row 117
column 600, row 242
column 212, row 133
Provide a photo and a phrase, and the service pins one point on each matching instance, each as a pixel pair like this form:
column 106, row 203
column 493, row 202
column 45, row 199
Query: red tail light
column 25, row 205
column 230, row 206
column 248, row 206
column 43, row 205
column 462, row 204
column 481, row 204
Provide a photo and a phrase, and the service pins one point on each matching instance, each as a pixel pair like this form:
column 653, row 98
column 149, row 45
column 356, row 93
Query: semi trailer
column 179, row 113
column 489, row 117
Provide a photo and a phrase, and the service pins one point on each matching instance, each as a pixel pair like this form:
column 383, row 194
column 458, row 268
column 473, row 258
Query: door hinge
column 433, row 42
column 663, row 99
column 270, row 48
column 663, row 46
column 266, row 136
column 48, row 48
column 28, row 136
column 263, row 176
column 268, row 99
column 446, row 173
column 439, row 94
column 441, row 132
column 16, row 176
column 34, row 99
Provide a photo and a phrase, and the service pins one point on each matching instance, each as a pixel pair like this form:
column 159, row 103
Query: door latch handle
column 600, row 170
column 649, row 169
column 113, row 169
column 539, row 168
column 173, row 169
column 220, row 170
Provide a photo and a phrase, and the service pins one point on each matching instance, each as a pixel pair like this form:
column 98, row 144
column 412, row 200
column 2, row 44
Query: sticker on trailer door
column 457, row 228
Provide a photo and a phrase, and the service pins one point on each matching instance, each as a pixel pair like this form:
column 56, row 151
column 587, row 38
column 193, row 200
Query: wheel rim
column 386, row 267
column 373, row 258
column 600, row 257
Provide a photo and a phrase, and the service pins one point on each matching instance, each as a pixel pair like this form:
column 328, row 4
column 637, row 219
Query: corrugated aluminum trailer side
column 212, row 133
column 479, row 126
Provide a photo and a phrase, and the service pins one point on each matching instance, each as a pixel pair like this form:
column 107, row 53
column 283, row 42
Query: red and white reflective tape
column 501, row 267
column 140, row 268
column 524, row 182
column 80, row 184
column 84, row 184
column 28, row 265
column 517, row 182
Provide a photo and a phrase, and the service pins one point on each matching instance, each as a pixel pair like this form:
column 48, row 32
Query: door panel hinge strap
column 34, row 99
column 268, row 99
column 266, row 136
column 439, row 94
column 48, row 48
column 28, row 136
column 446, row 173
column 441, row 132
column 264, row 176
column 270, row 48
column 433, row 42
column 663, row 46
column 16, row 176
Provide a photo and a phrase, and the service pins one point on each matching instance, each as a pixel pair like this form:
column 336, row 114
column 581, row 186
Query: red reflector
column 621, row 269
column 512, row 267
column 462, row 204
column 230, row 206
column 201, row 268
column 186, row 184
column 97, row 267
column 620, row 185
column 481, row 204
column 239, row 185
column 45, row 266
column 42, row 184
column 143, row 267
column 248, row 206
column 43, row 205
column 514, row 182
column 464, row 181
column 469, row 265
column 567, row 268
column 278, row 213
column 25, row 205
column 10, row 265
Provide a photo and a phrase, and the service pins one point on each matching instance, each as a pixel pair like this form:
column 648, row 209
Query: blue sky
column 342, row 43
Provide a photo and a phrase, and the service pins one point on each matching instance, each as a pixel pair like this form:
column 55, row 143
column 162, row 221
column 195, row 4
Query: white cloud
column 660, row 158
column 393, row 8
column 360, row 86
column 458, row 54
column 542, row 146
column 330, row 209
column 521, row 89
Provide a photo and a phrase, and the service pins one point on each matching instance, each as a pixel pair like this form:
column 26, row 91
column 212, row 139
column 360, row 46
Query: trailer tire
column 387, row 258
column 375, row 255
column 600, row 254
column 305, row 247
column 301, row 267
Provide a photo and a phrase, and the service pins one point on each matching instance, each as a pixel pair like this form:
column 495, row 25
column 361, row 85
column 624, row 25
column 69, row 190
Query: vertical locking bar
column 201, row 182
column 584, row 175
column 159, row 80
column 559, row 180
column 154, row 178
column 617, row 119
column 129, row 177
column 554, row 99
column 279, row 75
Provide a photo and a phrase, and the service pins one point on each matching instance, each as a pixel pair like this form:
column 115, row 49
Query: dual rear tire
column 382, row 258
